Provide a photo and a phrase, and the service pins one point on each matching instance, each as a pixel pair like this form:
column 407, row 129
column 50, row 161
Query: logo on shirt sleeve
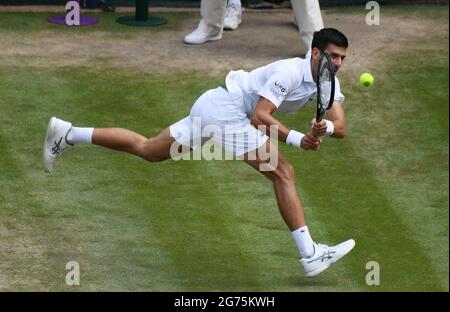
column 280, row 87
column 279, row 90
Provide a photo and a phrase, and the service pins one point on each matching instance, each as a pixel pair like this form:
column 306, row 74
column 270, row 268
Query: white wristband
column 330, row 127
column 294, row 138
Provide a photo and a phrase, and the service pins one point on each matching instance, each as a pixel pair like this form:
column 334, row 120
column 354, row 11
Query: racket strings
column 325, row 85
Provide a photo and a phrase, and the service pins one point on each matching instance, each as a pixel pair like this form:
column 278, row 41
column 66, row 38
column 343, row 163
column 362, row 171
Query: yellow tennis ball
column 366, row 80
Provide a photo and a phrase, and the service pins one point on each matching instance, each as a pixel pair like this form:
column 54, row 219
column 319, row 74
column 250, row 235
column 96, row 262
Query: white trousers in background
column 213, row 13
column 309, row 19
column 307, row 14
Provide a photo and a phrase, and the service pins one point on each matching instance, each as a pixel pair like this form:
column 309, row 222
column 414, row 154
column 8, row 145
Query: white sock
column 304, row 241
column 80, row 135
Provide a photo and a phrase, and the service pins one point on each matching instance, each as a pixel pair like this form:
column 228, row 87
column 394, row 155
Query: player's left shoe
column 324, row 256
column 55, row 141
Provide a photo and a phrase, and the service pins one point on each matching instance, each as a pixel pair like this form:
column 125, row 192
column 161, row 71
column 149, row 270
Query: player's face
column 337, row 55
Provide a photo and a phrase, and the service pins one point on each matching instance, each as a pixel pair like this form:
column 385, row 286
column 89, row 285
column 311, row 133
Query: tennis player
column 232, row 117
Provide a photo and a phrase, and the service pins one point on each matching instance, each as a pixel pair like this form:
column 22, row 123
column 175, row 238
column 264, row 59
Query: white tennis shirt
column 288, row 84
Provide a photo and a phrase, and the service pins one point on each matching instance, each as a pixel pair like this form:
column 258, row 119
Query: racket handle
column 313, row 130
column 319, row 115
column 318, row 120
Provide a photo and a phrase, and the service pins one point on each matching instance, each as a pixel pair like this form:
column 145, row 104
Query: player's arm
column 262, row 116
column 334, row 126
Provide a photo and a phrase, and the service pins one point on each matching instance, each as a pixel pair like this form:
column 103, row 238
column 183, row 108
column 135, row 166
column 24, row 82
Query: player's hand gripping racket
column 325, row 85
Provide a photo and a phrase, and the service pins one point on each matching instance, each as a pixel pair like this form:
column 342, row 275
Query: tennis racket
column 325, row 85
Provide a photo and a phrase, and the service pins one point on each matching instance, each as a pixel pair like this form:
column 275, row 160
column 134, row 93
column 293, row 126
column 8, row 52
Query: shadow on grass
column 305, row 282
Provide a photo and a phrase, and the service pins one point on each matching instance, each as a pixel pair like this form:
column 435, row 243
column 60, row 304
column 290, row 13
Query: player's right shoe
column 55, row 141
column 324, row 256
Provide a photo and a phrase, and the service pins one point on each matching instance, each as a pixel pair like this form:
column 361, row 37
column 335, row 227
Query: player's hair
column 325, row 36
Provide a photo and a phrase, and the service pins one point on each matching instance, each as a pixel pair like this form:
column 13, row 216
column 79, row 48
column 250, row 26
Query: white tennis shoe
column 233, row 15
column 202, row 34
column 55, row 141
column 324, row 256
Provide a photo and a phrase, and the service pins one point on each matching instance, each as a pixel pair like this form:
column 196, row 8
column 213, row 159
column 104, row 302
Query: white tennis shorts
column 218, row 115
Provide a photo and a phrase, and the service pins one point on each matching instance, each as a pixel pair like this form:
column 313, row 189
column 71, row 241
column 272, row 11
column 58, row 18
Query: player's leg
column 61, row 135
column 288, row 199
column 239, row 138
column 179, row 138
column 283, row 180
column 315, row 257
column 152, row 149
column 255, row 148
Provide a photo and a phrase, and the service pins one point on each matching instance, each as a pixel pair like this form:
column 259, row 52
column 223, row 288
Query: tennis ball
column 366, row 80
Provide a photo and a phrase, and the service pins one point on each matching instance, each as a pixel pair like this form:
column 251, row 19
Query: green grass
column 206, row 226
column 32, row 22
